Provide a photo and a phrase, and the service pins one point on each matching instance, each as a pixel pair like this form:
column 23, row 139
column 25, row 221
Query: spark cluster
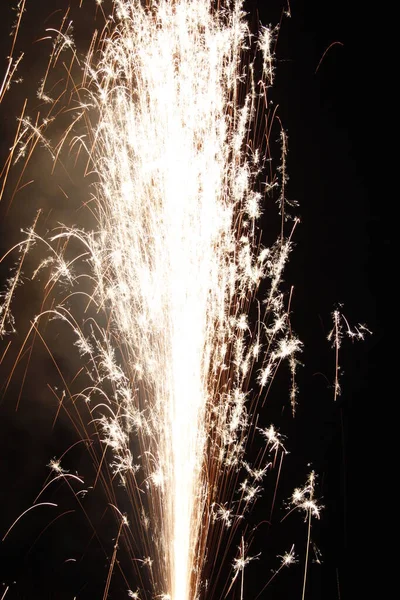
column 173, row 265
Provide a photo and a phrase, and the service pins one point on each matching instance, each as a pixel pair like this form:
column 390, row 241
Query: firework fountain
column 166, row 280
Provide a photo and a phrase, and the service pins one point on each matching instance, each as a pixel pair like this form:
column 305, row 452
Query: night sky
column 327, row 107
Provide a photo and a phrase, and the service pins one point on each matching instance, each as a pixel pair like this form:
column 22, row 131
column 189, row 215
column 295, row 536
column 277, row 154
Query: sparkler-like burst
column 173, row 265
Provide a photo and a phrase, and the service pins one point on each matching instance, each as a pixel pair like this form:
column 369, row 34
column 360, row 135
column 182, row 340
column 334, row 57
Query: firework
column 159, row 292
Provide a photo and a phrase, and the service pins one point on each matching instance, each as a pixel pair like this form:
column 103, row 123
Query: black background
column 332, row 112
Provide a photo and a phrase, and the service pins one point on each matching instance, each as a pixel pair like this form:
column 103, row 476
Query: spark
column 55, row 466
column 239, row 565
column 287, row 559
column 336, row 335
column 273, row 437
column 303, row 498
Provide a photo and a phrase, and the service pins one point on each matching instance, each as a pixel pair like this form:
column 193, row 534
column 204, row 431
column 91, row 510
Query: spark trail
column 175, row 263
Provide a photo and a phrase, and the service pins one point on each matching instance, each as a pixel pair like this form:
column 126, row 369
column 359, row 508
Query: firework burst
column 164, row 283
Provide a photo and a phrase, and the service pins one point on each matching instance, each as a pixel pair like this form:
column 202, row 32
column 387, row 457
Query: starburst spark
column 174, row 263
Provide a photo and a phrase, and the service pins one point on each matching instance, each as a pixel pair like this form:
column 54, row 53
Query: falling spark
column 336, row 335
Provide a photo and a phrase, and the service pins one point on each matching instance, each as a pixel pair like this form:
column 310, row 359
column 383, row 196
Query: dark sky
column 328, row 106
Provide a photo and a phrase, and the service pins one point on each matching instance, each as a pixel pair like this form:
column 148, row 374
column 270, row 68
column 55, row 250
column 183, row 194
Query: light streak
column 174, row 264
column 24, row 513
